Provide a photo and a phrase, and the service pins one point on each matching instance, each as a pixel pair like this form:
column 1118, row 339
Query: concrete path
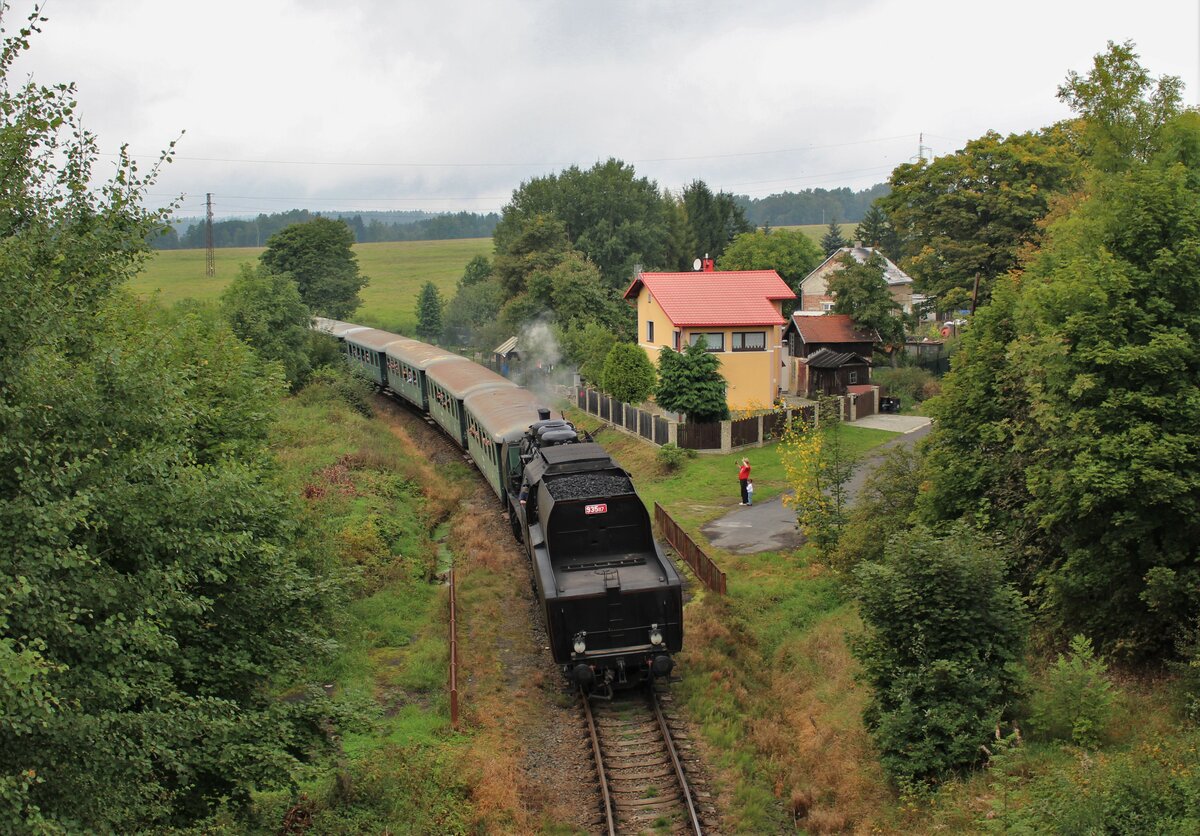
column 893, row 423
column 769, row 526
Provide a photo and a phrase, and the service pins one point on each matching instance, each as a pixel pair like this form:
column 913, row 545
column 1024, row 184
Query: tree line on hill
column 366, row 227
column 810, row 206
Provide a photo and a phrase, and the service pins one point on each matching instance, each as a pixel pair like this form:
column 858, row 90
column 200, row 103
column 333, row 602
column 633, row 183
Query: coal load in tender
column 589, row 485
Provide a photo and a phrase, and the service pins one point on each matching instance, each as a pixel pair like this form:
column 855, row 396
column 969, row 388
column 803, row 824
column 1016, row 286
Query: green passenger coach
column 448, row 383
column 407, row 364
column 497, row 420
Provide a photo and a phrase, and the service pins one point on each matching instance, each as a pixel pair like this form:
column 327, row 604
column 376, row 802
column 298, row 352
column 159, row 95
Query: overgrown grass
column 397, row 271
column 372, row 505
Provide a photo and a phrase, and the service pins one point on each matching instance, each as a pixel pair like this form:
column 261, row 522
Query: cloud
column 452, row 105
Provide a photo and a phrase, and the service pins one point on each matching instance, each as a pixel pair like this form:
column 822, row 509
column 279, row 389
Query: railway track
column 642, row 767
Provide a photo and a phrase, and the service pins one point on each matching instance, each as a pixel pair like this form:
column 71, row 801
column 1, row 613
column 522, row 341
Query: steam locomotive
column 611, row 601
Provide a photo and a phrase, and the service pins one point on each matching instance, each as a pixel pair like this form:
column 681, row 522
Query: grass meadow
column 397, row 271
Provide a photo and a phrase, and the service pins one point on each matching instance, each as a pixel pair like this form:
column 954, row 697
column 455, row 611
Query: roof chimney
column 710, row 265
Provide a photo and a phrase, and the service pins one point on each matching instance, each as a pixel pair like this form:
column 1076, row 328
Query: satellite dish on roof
column 697, row 264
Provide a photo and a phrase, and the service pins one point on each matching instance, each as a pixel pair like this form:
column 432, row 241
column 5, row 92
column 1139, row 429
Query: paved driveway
column 770, row 526
column 893, row 423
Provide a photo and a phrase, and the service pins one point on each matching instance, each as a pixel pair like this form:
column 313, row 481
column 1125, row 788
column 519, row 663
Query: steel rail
column 686, row 790
column 609, row 814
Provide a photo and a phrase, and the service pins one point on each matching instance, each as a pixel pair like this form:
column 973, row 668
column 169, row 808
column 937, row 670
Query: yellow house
column 738, row 313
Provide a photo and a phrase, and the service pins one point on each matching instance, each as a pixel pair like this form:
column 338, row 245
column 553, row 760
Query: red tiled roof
column 716, row 298
column 832, row 328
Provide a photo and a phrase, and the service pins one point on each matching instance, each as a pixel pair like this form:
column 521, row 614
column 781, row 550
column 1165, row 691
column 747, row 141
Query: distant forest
column 811, row 206
column 188, row 233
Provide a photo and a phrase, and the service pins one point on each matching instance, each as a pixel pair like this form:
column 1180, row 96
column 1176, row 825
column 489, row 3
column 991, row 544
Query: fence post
column 453, row 654
column 726, row 436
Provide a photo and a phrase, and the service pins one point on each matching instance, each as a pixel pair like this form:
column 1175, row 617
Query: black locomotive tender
column 612, row 602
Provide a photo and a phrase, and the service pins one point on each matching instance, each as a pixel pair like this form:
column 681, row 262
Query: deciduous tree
column 150, row 588
column 971, row 213
column 317, row 254
column 629, row 376
column 607, row 212
column 790, row 253
column 264, row 309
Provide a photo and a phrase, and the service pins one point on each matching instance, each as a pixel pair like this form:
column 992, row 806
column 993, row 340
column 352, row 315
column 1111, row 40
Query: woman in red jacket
column 743, row 478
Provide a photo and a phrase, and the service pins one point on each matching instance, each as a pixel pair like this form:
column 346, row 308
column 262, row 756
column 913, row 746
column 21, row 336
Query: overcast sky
column 365, row 104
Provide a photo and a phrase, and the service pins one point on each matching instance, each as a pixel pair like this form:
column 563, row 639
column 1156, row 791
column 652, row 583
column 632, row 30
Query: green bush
column 1188, row 669
column 341, row 383
column 941, row 651
column 1076, row 701
column 671, row 457
column 912, row 384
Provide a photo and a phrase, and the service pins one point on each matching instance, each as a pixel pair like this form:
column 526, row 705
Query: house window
column 827, row 306
column 676, row 340
column 650, row 332
column 716, row 342
column 853, row 378
column 749, row 340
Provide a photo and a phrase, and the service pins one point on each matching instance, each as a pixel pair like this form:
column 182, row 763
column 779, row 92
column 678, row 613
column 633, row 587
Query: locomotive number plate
column 595, row 509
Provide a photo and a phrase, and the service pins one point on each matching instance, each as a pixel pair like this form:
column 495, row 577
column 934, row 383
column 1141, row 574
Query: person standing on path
column 744, row 479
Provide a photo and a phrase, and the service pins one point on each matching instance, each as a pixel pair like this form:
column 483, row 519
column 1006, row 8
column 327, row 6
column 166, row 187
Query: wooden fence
column 707, row 571
column 715, row 436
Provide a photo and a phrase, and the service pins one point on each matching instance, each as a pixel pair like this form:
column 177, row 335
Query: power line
column 360, row 164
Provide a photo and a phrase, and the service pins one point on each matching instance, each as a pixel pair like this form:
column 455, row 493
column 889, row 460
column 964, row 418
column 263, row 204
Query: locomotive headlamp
column 655, row 635
column 580, row 644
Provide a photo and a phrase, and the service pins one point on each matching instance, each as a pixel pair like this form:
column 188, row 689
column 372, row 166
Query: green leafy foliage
column 972, row 212
column 790, row 253
column 149, row 582
column 860, row 291
column 944, row 635
column 671, row 457
column 690, row 382
column 1076, row 701
column 629, row 375
column 882, row 509
column 911, row 384
column 265, row 310
column 606, row 212
column 317, row 255
column 1122, row 108
column 429, row 312
column 819, row 466
column 587, row 346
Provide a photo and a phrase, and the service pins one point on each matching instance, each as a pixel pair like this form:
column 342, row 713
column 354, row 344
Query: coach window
column 650, row 332
column 749, row 340
column 715, row 342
